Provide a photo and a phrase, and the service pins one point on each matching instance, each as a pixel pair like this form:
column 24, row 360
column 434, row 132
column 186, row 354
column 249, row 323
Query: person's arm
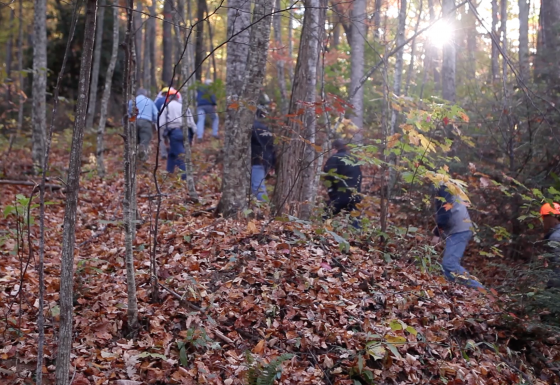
column 443, row 203
column 154, row 113
column 162, row 121
column 213, row 100
column 190, row 119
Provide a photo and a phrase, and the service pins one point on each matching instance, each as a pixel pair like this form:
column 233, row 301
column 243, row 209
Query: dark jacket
column 348, row 177
column 452, row 215
column 262, row 146
column 205, row 97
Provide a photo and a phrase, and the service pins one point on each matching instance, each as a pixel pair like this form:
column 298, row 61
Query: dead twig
column 181, row 299
column 29, row 183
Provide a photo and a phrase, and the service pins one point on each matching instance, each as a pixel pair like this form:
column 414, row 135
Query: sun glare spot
column 440, row 34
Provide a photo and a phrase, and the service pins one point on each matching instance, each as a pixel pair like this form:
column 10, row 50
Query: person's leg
column 215, row 121
column 143, row 137
column 258, row 188
column 162, row 146
column 455, row 246
column 177, row 149
column 201, row 117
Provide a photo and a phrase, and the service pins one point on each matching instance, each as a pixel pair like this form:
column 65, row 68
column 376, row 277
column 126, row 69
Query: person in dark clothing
column 343, row 180
column 206, row 104
column 551, row 223
column 263, row 158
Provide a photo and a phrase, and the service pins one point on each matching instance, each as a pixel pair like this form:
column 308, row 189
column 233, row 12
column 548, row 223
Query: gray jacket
column 452, row 215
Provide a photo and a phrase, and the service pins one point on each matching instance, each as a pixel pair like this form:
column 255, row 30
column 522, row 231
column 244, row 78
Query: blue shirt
column 146, row 109
column 205, row 97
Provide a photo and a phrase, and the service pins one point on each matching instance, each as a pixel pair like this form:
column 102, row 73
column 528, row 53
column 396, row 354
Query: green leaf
column 183, row 356
column 395, row 325
column 361, row 363
column 411, row 330
column 394, row 350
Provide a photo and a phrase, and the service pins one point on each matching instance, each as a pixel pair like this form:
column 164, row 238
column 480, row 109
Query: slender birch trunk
column 377, row 19
column 138, row 40
column 20, row 68
column 151, row 57
column 413, row 52
column 357, row 44
column 495, row 53
column 471, row 43
column 92, row 105
column 280, row 63
column 185, row 66
column 10, row 46
column 291, row 45
column 432, row 55
column 129, row 201
column 107, row 92
column 296, row 170
column 524, row 67
column 448, row 67
column 235, row 179
column 72, row 188
column 39, row 110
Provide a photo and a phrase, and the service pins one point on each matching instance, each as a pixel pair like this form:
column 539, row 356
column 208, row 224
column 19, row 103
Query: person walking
column 146, row 116
column 263, row 158
column 206, row 105
column 171, row 122
column 343, row 180
column 453, row 224
column 550, row 215
column 159, row 102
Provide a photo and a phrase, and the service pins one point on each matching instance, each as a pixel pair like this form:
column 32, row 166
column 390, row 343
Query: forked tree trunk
column 107, row 92
column 167, row 45
column 524, row 6
column 448, row 57
column 357, row 45
column 72, row 187
column 280, row 63
column 92, row 104
column 296, row 168
column 129, row 201
column 39, row 110
column 235, row 179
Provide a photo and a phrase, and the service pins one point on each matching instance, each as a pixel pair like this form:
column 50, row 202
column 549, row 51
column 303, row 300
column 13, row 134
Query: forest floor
column 249, row 298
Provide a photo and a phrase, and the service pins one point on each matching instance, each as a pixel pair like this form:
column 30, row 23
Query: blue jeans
column 455, row 246
column 201, row 111
column 258, row 188
column 176, row 156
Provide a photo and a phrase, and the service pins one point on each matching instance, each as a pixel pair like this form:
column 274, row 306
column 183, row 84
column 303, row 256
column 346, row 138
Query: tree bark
column 413, row 52
column 524, row 6
column 72, row 188
column 471, row 43
column 150, row 80
column 448, row 57
column 239, row 17
column 431, row 61
column 39, row 110
column 377, row 19
column 357, row 45
column 107, row 91
column 199, row 50
column 240, row 117
column 280, row 63
column 495, row 53
column 297, row 157
column 129, row 201
column 167, row 45
column 10, row 45
column 92, row 105
column 20, row 68
column 399, row 63
column 138, row 40
column 185, row 73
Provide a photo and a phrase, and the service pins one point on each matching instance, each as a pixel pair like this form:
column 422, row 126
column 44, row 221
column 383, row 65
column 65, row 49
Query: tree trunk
column 377, row 19
column 503, row 35
column 72, row 188
column 199, row 50
column 291, row 45
column 495, row 53
column 471, row 43
column 138, row 39
column 20, row 68
column 167, row 45
column 129, row 201
column 413, row 52
column 96, row 63
column 185, row 73
column 357, row 44
column 432, row 57
column 239, row 13
column 39, row 110
column 150, row 81
column 10, row 45
column 280, row 63
column 235, row 177
column 448, row 58
column 524, row 6
column 335, row 31
column 296, row 167
column 107, row 91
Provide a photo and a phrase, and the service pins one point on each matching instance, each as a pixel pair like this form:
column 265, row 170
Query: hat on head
column 548, row 209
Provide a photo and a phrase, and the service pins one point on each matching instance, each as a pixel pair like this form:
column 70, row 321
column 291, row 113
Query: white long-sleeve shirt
column 172, row 116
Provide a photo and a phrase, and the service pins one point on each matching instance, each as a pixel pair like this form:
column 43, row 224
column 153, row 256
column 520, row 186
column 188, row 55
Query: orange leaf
column 259, row 348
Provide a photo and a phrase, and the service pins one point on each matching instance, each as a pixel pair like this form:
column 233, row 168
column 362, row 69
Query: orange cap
column 548, row 209
column 172, row 91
